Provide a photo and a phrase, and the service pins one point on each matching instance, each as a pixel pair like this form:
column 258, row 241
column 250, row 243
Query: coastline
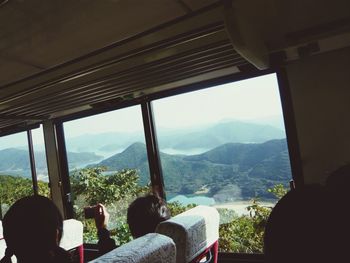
column 240, row 207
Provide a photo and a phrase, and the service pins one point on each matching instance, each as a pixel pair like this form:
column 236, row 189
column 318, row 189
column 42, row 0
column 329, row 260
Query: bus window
column 40, row 162
column 108, row 164
column 15, row 172
column 226, row 147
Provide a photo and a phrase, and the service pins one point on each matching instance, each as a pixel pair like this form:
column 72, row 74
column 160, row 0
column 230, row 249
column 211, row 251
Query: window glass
column 15, row 172
column 40, row 161
column 226, row 147
column 108, row 164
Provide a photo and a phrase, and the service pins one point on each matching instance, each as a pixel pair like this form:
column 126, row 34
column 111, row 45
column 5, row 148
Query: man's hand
column 101, row 216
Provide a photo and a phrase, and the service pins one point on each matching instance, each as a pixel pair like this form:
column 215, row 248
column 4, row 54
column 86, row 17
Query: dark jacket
column 58, row 255
column 105, row 242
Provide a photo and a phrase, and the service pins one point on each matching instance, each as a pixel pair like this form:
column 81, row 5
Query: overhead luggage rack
column 193, row 48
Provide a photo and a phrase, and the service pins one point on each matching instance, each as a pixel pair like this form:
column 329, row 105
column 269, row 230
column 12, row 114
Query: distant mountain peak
column 131, row 157
column 135, row 146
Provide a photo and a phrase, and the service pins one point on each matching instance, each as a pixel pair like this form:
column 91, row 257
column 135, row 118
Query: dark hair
column 31, row 225
column 145, row 213
column 297, row 229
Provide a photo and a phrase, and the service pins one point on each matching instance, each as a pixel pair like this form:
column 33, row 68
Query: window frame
column 151, row 138
column 145, row 102
column 31, row 158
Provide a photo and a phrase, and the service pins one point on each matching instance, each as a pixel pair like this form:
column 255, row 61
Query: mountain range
column 182, row 139
column 237, row 160
column 230, row 171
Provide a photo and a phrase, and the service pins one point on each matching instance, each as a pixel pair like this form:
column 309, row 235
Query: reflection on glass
column 15, row 173
column 226, row 147
column 108, row 164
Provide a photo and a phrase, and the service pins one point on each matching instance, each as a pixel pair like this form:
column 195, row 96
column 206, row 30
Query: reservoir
column 240, row 207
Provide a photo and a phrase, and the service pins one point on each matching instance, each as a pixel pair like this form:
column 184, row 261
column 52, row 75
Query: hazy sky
column 252, row 99
column 244, row 100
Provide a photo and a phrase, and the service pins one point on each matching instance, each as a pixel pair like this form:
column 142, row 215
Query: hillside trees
column 245, row 234
column 241, row 234
column 13, row 188
column 91, row 186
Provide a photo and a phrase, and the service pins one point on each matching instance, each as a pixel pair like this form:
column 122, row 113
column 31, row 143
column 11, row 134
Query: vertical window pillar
column 152, row 150
column 56, row 167
column 32, row 161
column 291, row 131
column 0, row 207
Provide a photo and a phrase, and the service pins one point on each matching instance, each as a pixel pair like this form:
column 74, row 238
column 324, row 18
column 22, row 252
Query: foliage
column 278, row 190
column 240, row 234
column 90, row 187
column 43, row 189
column 122, row 232
column 13, row 188
column 177, row 208
column 98, row 188
column 243, row 234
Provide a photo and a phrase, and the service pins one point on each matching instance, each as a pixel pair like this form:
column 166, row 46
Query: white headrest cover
column 1, row 235
column 3, row 245
column 72, row 234
column 192, row 231
column 149, row 248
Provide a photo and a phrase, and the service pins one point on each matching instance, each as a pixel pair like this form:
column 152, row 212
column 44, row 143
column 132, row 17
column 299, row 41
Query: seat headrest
column 192, row 231
column 1, row 234
column 152, row 247
column 72, row 234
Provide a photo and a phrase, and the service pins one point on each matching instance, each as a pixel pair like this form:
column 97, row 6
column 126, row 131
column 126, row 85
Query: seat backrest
column 194, row 232
column 1, row 235
column 72, row 234
column 73, row 237
column 152, row 247
column 2, row 242
column 3, row 245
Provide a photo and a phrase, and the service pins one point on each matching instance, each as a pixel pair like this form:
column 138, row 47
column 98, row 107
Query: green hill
column 251, row 168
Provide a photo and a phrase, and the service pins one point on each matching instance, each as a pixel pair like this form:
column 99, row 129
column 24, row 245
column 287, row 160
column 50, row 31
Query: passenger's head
column 32, row 226
column 145, row 213
column 298, row 227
